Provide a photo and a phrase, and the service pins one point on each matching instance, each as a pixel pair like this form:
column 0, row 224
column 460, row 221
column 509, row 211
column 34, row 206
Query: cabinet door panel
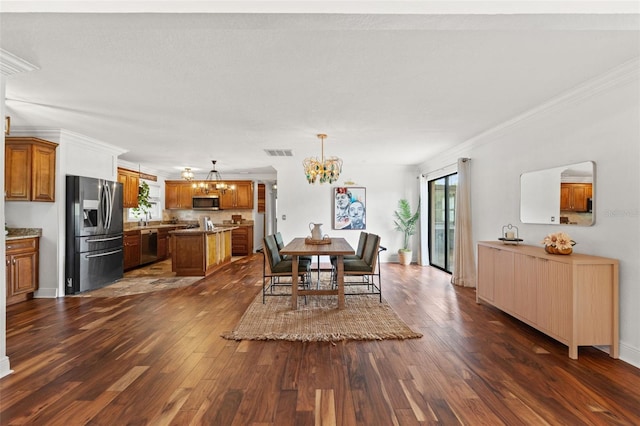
column 527, row 268
column 24, row 273
column 554, row 300
column 504, row 291
column 43, row 181
column 486, row 273
column 17, row 172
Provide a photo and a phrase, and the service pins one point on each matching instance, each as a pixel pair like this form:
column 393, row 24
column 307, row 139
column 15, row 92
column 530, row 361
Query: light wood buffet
column 572, row 298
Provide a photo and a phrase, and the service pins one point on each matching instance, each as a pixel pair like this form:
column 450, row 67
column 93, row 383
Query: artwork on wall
column 349, row 207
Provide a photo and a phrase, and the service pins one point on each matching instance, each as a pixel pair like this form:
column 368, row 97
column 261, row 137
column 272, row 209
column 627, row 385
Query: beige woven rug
column 364, row 318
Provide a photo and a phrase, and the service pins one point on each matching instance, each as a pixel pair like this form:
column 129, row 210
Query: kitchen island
column 197, row 252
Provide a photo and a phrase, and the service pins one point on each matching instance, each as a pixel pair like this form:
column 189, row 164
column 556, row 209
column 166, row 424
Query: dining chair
column 274, row 268
column 366, row 268
column 309, row 259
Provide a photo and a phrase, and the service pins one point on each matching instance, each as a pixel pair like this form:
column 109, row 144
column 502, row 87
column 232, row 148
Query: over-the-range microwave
column 208, row 202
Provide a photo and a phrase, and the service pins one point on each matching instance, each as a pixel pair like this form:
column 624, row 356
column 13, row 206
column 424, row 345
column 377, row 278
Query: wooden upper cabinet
column 178, row 194
column 574, row 196
column 239, row 198
column 130, row 181
column 261, row 198
column 30, row 169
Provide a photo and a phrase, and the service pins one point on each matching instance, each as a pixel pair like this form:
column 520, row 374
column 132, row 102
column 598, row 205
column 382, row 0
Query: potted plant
column 406, row 223
column 144, row 204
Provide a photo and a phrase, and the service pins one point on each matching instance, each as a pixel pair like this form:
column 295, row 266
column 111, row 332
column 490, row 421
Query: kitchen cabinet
column 30, row 169
column 242, row 240
column 178, row 194
column 132, row 249
column 574, row 196
column 571, row 298
column 130, row 181
column 163, row 242
column 240, row 198
column 22, row 268
column 262, row 198
column 198, row 253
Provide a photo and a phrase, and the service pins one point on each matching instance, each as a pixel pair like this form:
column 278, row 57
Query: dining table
column 338, row 247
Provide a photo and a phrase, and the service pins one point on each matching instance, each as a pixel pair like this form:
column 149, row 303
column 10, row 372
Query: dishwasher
column 148, row 246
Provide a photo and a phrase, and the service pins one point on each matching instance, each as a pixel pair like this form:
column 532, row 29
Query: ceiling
column 181, row 89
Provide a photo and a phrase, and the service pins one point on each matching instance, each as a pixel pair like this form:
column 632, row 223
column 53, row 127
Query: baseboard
column 46, row 293
column 4, row 367
column 629, row 354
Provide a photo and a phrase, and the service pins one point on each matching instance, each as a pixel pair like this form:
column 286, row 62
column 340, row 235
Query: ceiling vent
column 279, row 152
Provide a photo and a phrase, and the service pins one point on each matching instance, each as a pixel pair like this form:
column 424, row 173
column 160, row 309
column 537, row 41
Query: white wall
column 599, row 121
column 303, row 203
column 75, row 155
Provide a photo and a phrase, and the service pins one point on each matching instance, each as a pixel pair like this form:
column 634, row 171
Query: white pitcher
column 316, row 231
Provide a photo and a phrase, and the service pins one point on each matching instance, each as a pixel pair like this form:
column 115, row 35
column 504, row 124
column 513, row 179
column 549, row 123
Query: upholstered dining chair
column 274, row 267
column 366, row 268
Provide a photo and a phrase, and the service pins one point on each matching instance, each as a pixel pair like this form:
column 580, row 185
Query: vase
column 555, row 250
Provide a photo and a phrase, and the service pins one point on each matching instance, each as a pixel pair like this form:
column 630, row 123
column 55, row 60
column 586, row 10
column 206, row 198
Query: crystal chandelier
column 187, row 174
column 326, row 170
column 213, row 181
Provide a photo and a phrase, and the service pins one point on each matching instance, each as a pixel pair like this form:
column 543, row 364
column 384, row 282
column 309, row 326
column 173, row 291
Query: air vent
column 279, row 152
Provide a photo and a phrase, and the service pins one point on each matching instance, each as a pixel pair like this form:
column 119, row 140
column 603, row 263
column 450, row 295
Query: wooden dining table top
column 299, row 247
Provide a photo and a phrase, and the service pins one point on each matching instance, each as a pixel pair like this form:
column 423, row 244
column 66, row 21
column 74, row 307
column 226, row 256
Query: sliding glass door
column 442, row 213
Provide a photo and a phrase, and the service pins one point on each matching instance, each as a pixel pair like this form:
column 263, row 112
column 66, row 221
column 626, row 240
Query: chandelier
column 326, row 170
column 213, row 181
column 187, row 174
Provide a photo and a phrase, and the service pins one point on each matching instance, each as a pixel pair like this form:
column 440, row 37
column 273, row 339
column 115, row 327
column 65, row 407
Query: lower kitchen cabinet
column 164, row 248
column 22, row 268
column 132, row 247
column 242, row 241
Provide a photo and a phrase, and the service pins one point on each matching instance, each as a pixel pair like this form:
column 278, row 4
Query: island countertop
column 195, row 231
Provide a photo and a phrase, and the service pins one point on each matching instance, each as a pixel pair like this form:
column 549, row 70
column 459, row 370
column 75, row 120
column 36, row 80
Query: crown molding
column 63, row 136
column 11, row 64
column 624, row 73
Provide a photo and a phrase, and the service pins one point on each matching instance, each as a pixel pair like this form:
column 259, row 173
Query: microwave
column 209, row 202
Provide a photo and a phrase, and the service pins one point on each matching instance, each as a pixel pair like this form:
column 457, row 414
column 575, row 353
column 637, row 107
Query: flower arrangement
column 558, row 243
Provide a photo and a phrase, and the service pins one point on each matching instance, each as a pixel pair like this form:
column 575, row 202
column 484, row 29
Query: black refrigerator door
column 94, row 269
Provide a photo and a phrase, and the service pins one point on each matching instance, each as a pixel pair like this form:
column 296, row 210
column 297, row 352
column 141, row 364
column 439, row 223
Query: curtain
column 464, row 265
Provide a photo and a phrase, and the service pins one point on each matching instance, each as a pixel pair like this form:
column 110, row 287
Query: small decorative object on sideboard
column 510, row 235
column 558, row 243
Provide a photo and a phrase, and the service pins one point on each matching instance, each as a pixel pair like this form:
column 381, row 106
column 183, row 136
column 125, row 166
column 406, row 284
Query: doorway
column 442, row 213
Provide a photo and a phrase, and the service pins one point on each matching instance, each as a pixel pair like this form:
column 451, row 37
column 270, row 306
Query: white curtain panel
column 464, row 264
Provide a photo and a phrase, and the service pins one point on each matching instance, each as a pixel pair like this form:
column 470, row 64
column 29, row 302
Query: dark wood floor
column 158, row 359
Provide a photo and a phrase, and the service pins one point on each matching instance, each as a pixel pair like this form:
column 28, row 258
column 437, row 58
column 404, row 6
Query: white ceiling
column 178, row 90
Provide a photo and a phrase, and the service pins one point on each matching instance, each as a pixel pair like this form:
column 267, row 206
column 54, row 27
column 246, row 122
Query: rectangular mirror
column 561, row 195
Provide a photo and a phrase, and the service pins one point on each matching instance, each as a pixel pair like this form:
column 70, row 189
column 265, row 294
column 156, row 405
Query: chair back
column 279, row 241
column 271, row 251
column 361, row 243
column 370, row 253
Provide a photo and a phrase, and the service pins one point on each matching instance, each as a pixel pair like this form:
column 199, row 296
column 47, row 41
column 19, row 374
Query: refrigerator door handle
column 90, row 256
column 100, row 240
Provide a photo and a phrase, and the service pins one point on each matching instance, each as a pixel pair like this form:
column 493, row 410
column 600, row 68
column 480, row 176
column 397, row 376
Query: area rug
column 319, row 319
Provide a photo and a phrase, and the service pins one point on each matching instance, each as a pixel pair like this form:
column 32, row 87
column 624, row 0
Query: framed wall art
column 349, row 207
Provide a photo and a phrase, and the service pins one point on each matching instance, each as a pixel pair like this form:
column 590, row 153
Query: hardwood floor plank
column 159, row 358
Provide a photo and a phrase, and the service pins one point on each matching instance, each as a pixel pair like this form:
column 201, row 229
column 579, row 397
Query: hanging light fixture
column 213, row 181
column 326, row 170
column 187, row 174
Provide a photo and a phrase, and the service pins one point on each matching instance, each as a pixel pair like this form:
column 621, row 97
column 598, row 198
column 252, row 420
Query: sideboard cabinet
column 572, row 298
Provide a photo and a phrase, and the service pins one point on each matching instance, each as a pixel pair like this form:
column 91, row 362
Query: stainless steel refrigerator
column 94, row 239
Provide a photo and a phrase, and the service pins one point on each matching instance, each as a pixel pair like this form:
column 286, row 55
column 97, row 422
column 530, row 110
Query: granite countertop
column 19, row 233
column 156, row 226
column 202, row 231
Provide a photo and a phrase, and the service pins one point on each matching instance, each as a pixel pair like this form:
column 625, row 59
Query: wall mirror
column 561, row 195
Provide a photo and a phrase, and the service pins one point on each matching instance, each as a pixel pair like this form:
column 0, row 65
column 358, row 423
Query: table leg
column 340, row 278
column 294, row 282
